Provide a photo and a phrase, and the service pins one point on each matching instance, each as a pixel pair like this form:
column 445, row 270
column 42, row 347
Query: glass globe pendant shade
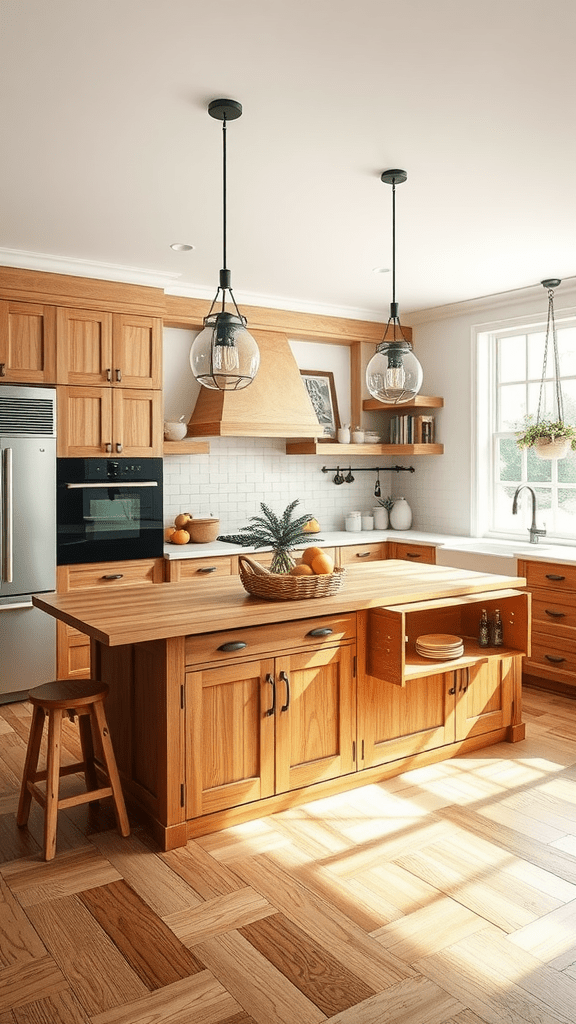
column 394, row 374
column 224, row 356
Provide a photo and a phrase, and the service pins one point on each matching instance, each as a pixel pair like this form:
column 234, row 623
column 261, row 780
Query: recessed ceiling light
column 380, row 270
column 181, row 247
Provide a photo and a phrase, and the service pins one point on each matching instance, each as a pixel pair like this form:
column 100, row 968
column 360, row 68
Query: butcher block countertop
column 137, row 614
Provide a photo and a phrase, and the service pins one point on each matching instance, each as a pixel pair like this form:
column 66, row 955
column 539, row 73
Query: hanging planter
column 551, row 439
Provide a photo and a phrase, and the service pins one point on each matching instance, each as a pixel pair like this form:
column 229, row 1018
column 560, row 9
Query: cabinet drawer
column 412, row 552
column 279, row 638
column 354, row 553
column 99, row 574
column 550, row 576
column 553, row 657
column 186, row 569
column 554, row 614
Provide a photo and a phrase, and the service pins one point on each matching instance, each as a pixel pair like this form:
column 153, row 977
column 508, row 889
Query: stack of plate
column 440, row 646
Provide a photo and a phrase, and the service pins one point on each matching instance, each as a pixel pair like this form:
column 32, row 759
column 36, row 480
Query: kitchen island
column 224, row 707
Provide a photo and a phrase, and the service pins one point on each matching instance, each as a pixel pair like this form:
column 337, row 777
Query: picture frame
column 322, row 393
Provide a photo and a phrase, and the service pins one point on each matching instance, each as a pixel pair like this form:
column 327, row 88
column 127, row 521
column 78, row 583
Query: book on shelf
column 408, row 429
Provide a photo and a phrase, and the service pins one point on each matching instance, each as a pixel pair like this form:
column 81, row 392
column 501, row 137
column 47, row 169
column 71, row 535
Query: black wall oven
column 108, row 510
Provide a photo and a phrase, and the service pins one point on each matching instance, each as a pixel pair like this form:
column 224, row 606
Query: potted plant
column 282, row 533
column 551, row 439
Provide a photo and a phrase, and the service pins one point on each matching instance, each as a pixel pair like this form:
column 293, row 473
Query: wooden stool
column 85, row 698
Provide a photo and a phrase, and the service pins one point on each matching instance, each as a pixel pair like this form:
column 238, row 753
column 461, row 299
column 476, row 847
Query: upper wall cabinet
column 117, row 349
column 27, row 342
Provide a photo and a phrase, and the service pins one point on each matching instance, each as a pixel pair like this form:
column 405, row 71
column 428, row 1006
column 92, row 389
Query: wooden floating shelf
column 310, row 447
column 419, row 402
column 188, row 446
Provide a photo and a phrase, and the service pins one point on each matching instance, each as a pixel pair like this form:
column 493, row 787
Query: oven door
column 111, row 519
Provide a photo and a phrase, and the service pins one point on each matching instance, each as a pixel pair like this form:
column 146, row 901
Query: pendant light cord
column 224, row 194
column 394, row 244
column 551, row 330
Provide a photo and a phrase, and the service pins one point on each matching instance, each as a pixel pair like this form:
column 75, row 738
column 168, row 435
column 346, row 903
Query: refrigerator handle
column 7, row 539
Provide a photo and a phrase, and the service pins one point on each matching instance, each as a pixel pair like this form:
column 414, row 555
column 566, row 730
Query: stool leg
column 112, row 770
column 87, row 745
column 31, row 764
column 52, row 782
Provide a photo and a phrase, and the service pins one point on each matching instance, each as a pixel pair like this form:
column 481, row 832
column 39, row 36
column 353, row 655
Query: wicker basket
column 283, row 587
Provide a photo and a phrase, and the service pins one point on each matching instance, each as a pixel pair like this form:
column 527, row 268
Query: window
column 514, row 358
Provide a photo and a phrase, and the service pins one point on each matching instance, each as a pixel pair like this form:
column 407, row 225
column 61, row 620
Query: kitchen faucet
column 533, row 531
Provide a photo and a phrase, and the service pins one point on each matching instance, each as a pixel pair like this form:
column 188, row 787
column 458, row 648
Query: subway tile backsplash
column 239, row 473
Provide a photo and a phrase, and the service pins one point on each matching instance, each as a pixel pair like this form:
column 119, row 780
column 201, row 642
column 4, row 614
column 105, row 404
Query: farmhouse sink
column 497, row 556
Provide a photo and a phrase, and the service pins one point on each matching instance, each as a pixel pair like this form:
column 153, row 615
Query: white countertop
column 542, row 552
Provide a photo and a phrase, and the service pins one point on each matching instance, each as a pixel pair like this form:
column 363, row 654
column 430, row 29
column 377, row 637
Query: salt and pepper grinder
column 497, row 631
column 484, row 630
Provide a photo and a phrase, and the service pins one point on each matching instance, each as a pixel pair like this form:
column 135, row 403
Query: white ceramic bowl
column 175, row 431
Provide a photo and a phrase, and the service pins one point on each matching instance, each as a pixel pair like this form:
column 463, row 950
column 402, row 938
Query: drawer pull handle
column 270, row 711
column 320, row 631
column 114, row 576
column 207, row 568
column 551, row 576
column 118, row 375
column 555, row 658
column 362, row 554
column 2, row 369
column 452, row 689
column 415, row 554
column 109, row 373
column 553, row 614
column 233, row 645
column 285, row 679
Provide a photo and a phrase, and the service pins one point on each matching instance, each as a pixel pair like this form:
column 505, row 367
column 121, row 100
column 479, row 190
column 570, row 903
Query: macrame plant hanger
column 557, row 449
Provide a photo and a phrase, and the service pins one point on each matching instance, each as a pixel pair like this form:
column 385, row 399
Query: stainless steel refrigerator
column 27, row 537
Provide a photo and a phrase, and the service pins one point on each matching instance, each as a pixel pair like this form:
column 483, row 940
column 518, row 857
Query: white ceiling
column 109, row 154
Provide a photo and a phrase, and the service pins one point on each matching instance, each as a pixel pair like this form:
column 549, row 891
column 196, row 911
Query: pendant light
column 224, row 356
column 394, row 374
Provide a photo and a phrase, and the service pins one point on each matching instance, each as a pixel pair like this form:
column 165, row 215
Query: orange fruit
column 182, row 519
column 180, row 537
column 322, row 564
column 302, row 570
column 309, row 554
column 168, row 534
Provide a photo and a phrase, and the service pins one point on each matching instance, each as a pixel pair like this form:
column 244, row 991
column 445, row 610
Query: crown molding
column 487, row 306
column 45, row 263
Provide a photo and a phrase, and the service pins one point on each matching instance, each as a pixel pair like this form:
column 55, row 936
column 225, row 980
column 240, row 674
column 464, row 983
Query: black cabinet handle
column 415, row 554
column 452, row 689
column 555, row 615
column 270, row 711
column 362, row 554
column 285, row 679
column 207, row 568
column 320, row 631
column 554, row 658
column 551, row 576
column 233, row 645
column 114, row 576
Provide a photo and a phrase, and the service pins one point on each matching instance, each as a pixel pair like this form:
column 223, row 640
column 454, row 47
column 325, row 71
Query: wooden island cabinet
column 224, row 707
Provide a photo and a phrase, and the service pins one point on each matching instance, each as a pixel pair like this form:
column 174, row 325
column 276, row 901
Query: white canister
column 367, row 521
column 380, row 517
column 354, row 522
column 357, row 436
column 401, row 515
column 344, row 435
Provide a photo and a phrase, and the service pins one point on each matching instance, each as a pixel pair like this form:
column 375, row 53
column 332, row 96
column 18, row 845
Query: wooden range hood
column 275, row 404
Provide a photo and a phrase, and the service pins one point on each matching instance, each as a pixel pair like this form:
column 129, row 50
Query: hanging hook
column 349, row 478
column 338, row 479
column 377, row 491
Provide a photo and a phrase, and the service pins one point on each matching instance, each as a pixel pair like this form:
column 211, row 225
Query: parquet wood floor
column 444, row 896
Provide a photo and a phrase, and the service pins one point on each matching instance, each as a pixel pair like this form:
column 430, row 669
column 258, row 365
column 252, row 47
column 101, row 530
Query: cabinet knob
column 233, row 645
column 109, row 446
column 2, row 369
column 118, row 447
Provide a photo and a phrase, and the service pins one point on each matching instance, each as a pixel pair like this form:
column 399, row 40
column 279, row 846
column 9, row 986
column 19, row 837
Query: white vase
column 380, row 517
column 401, row 515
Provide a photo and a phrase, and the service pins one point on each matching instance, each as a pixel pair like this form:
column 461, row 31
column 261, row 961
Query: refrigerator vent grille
column 20, row 416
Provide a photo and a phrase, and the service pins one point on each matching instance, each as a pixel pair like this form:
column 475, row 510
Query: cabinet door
column 137, row 351
column 27, row 343
column 395, row 721
column 84, row 347
column 229, row 736
column 137, row 422
column 84, row 422
column 315, row 717
column 483, row 697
